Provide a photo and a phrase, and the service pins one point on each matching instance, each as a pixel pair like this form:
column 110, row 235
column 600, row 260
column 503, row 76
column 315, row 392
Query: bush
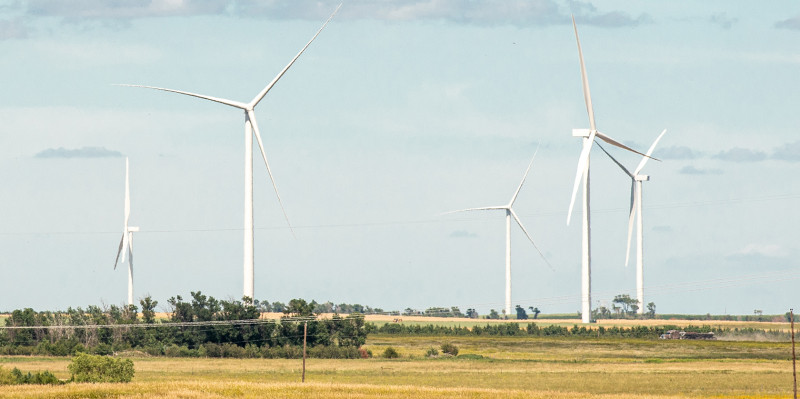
column 93, row 368
column 432, row 352
column 449, row 349
column 390, row 353
column 40, row 378
column 15, row 377
column 6, row 378
column 103, row 349
column 364, row 353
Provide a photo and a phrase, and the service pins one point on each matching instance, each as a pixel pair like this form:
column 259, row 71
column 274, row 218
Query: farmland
column 560, row 367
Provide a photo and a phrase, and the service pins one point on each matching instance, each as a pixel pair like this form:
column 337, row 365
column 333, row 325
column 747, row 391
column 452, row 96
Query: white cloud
column 738, row 154
column 770, row 250
column 83, row 152
column 462, row 234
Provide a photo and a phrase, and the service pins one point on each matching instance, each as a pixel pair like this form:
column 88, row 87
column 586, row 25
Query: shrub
column 40, row 378
column 93, row 368
column 364, row 353
column 6, row 378
column 432, row 352
column 390, row 353
column 449, row 349
column 103, row 349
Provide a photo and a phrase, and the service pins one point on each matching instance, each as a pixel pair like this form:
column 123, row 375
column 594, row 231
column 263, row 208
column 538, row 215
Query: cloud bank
column 462, row 234
column 738, row 154
column 83, row 152
column 676, row 152
column 483, row 13
column 691, row 170
column 791, row 23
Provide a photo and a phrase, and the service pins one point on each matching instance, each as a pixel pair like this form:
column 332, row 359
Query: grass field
column 511, row 367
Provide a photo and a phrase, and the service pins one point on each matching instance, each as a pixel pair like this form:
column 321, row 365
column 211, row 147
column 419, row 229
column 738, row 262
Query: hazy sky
column 398, row 112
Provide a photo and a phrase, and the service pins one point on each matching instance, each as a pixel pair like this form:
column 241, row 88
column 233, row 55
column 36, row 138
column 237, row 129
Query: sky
column 398, row 112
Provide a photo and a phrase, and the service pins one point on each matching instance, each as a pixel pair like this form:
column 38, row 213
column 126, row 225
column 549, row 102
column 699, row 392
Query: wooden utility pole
column 794, row 358
column 305, row 334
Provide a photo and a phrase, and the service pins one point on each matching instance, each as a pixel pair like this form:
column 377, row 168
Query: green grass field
column 510, row 367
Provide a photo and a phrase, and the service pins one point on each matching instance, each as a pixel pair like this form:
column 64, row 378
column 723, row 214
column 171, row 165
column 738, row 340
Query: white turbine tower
column 251, row 127
column 636, row 209
column 588, row 136
column 125, row 252
column 509, row 214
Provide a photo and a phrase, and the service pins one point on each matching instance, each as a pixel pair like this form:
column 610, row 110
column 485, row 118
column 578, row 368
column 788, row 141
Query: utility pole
column 305, row 334
column 794, row 358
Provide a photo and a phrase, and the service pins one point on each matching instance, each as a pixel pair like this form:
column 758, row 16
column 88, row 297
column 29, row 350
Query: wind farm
column 397, row 112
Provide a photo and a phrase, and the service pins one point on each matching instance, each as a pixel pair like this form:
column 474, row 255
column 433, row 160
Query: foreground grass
column 511, row 367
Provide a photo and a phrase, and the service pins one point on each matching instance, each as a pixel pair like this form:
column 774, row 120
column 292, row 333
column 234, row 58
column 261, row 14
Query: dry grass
column 515, row 368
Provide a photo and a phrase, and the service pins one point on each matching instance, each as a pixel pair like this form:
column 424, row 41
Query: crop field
column 487, row 367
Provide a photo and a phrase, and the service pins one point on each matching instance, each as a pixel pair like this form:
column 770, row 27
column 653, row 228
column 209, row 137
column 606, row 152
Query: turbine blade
column 613, row 142
column 488, row 208
column 231, row 103
column 649, row 151
column 616, row 162
column 516, row 193
column 519, row 222
column 584, row 158
column 125, row 246
column 264, row 92
column 130, row 254
column 587, row 96
column 119, row 251
column 251, row 115
column 630, row 221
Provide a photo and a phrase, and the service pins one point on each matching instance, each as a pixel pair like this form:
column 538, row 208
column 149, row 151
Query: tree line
column 123, row 328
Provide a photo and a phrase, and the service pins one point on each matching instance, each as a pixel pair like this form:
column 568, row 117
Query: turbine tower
column 582, row 179
column 125, row 252
column 636, row 209
column 250, row 128
column 508, row 208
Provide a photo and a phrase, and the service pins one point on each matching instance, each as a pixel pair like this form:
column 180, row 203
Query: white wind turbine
column 509, row 214
column 125, row 252
column 636, row 209
column 251, row 127
column 588, row 136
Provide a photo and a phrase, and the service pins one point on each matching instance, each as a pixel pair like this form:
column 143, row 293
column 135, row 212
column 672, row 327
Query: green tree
column 521, row 314
column 535, row 311
column 148, row 309
column 493, row 314
column 628, row 304
column 651, row 309
column 300, row 308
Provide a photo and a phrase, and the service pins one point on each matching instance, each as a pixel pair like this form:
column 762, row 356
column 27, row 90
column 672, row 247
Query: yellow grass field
column 513, row 367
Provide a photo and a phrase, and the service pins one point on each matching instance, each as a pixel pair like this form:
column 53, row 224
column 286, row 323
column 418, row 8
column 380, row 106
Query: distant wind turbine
column 588, row 136
column 636, row 209
column 125, row 252
column 509, row 214
column 250, row 127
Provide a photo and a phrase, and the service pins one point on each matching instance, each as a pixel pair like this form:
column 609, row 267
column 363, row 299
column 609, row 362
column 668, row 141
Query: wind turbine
column 508, row 208
column 588, row 136
column 125, row 252
column 636, row 209
column 251, row 127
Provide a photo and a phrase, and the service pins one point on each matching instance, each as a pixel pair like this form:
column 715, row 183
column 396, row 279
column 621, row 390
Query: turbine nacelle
column 582, row 132
column 641, row 178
